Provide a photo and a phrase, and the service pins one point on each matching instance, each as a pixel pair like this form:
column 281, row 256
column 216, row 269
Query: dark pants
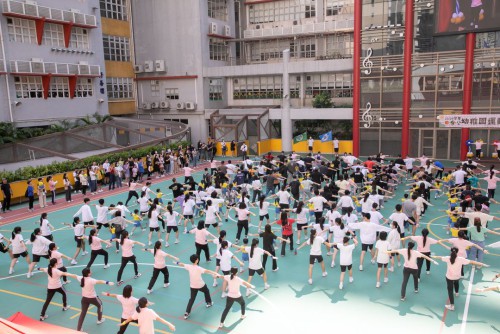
column 199, row 248
column 491, row 193
column 256, row 195
column 64, row 270
column 242, row 224
column 53, row 196
column 50, row 295
column 126, row 260
column 229, row 303
column 68, row 194
column 452, row 285
column 157, row 272
column 420, row 263
column 112, row 181
column 194, row 292
column 131, row 194
column 6, row 203
column 31, row 200
column 93, row 255
column 406, row 276
column 264, row 259
column 124, row 327
column 283, row 244
column 86, row 302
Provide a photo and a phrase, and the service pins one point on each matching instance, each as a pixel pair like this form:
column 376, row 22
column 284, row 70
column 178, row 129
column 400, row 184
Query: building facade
column 51, row 61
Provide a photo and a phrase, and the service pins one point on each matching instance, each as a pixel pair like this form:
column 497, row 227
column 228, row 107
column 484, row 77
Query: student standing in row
column 128, row 305
column 234, row 295
column 127, row 255
column 315, row 254
column 146, row 317
column 159, row 266
column 96, row 248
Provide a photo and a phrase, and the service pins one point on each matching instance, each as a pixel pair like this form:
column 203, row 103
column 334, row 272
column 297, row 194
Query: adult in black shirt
column 466, row 198
column 282, row 157
column 480, row 198
column 308, row 160
column 268, row 238
column 7, row 194
column 316, row 176
column 177, row 189
column 295, row 188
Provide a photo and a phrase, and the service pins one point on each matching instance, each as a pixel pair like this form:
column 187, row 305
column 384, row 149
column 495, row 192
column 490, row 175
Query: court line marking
column 467, row 301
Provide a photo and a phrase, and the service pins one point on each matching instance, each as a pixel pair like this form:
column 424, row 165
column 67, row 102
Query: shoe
column 149, row 291
column 85, row 253
column 360, row 268
column 416, row 291
column 67, row 307
column 266, row 286
column 106, row 266
column 298, row 242
column 138, row 275
column 386, row 279
column 185, row 231
column 43, row 317
column 120, row 283
column 372, row 261
column 329, row 253
column 149, row 243
column 224, row 295
column 399, row 264
column 242, row 270
column 167, row 244
column 237, row 241
column 28, row 275
column 341, row 286
column 108, row 246
column 391, row 269
column 377, row 285
column 66, row 282
column 209, row 304
column 351, row 279
column 456, row 294
column 276, row 269
column 117, row 251
column 131, row 233
column 186, row 315
column 248, row 293
column 221, row 325
column 243, row 316
column 450, row 307
column 11, row 271
column 215, row 284
column 332, row 264
column 403, row 299
column 101, row 321
column 324, row 274
column 428, row 272
column 310, row 281
column 176, row 241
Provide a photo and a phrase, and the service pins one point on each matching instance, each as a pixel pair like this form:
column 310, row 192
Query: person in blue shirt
column 30, row 193
column 439, row 173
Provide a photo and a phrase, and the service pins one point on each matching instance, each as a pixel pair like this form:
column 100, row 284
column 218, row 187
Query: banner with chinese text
column 469, row 121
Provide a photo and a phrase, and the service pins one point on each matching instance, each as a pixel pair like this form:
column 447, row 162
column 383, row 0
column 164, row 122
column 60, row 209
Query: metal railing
column 23, row 66
column 308, row 28
column 37, row 11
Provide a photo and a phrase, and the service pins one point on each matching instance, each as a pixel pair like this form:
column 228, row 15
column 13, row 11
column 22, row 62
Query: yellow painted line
column 72, row 308
column 434, row 234
column 76, row 315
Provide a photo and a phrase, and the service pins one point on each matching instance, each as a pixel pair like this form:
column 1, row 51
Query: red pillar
column 46, row 85
column 67, row 26
column 72, row 85
column 407, row 71
column 470, row 44
column 39, row 26
column 356, row 77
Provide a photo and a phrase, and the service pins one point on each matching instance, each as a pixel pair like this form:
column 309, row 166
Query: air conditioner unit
column 146, row 106
column 138, row 68
column 155, row 105
column 190, row 106
column 148, row 66
column 257, row 26
column 227, row 30
column 159, row 65
column 31, row 2
column 73, row 10
column 295, row 22
column 180, row 106
column 164, row 105
column 213, row 28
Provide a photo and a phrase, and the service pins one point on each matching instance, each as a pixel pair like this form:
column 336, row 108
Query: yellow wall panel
column 119, row 69
column 274, row 145
column 115, row 27
column 121, row 108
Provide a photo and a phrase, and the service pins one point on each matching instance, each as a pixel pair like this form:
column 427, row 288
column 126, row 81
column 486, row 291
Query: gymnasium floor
column 291, row 305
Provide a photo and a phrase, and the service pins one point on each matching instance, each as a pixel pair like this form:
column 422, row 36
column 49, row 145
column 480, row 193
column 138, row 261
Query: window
column 266, row 50
column 114, row 9
column 53, row 34
column 21, row 30
column 155, row 88
column 116, row 48
column 340, row 46
column 285, row 10
column 28, row 87
column 172, row 93
column 120, row 88
column 336, row 85
column 84, row 87
column 215, row 90
column 218, row 49
column 79, row 38
column 338, row 7
column 269, row 87
column 217, row 9
column 308, row 49
column 59, row 87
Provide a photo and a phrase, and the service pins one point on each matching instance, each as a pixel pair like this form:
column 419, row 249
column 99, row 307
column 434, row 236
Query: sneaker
column 372, row 261
column 209, row 304
column 298, row 242
column 237, row 241
column 138, row 275
column 386, row 279
column 43, row 317
column 332, row 264
column 221, row 325
column 28, row 275
column 66, row 282
column 215, row 284
column 176, row 241
column 84, row 253
column 456, row 294
column 360, row 268
column 11, row 271
column 223, row 295
column 416, row 291
column 377, row 285
column 243, row 316
column 324, row 274
column 329, row 253
column 266, row 286
column 108, row 246
column 185, row 231
column 186, row 315
column 167, row 244
column 149, row 291
column 149, row 243
column 450, row 307
column 341, row 286
column 248, row 293
column 399, row 264
column 106, row 266
column 391, row 269
column 67, row 307
column 131, row 233
column 166, row 285
column 403, row 299
column 101, row 321
column 120, row 283
column 276, row 269
column 428, row 272
column 351, row 279
column 242, row 270
column 310, row 281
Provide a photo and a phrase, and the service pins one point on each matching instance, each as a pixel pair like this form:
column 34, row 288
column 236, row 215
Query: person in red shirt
column 369, row 164
column 286, row 230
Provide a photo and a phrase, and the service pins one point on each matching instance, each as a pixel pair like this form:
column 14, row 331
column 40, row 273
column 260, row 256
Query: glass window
column 21, row 30
column 59, row 87
column 120, row 88
column 217, row 9
column 28, row 87
column 53, row 34
column 268, row 87
column 116, row 48
column 114, row 9
column 84, row 87
column 218, row 49
column 285, row 10
column 79, row 38
column 215, row 89
column 172, row 93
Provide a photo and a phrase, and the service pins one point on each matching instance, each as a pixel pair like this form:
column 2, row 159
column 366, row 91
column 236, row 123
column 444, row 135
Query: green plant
column 322, row 100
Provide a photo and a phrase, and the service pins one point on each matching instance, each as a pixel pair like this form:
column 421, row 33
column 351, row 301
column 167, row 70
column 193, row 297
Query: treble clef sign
column 366, row 116
column 367, row 63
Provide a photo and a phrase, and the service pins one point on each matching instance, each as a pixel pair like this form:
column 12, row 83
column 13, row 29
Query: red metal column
column 470, row 44
column 356, row 77
column 407, row 71
column 39, row 26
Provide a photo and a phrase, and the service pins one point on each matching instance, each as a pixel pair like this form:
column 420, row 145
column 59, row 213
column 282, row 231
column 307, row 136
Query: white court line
column 467, row 301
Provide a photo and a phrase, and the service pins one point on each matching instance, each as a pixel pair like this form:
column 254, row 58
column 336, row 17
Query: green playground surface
column 291, row 305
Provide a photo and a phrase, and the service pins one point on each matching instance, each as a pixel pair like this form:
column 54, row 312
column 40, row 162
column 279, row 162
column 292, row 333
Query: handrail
column 23, row 66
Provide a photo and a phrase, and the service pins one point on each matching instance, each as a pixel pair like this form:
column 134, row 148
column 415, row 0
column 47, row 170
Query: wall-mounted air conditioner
column 180, row 106
column 227, row 30
column 164, row 105
column 155, row 105
column 138, row 68
column 190, row 106
column 148, row 66
column 146, row 106
column 213, row 28
column 160, row 65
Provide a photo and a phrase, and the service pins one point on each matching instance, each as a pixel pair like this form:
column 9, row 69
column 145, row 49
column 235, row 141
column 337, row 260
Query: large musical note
column 366, row 116
column 367, row 63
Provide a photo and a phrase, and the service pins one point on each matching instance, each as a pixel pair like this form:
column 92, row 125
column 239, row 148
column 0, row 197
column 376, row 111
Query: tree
column 322, row 100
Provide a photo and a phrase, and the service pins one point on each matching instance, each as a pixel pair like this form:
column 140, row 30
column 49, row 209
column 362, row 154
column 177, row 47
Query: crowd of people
column 330, row 207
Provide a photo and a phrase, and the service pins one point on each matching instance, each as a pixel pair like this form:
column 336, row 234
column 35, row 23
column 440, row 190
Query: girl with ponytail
column 55, row 254
column 225, row 263
column 89, row 296
column 477, row 237
column 286, row 231
column 45, row 227
column 146, row 317
column 54, row 285
column 234, row 294
column 171, row 217
column 127, row 255
column 263, row 211
column 18, row 249
column 454, row 270
column 410, row 266
column 129, row 304
column 302, row 219
column 315, row 253
column 96, row 248
column 200, row 239
column 424, row 243
column 159, row 265
column 339, row 231
column 255, row 264
column 39, row 250
column 461, row 243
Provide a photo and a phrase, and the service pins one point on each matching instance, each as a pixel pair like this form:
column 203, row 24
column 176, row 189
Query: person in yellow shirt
column 159, row 195
column 136, row 217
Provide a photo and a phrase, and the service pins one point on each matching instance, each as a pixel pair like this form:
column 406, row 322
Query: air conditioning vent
column 148, row 66
column 164, row 105
column 138, row 68
column 190, row 106
column 213, row 28
column 180, row 106
column 146, row 106
column 227, row 30
column 155, row 105
column 160, row 65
